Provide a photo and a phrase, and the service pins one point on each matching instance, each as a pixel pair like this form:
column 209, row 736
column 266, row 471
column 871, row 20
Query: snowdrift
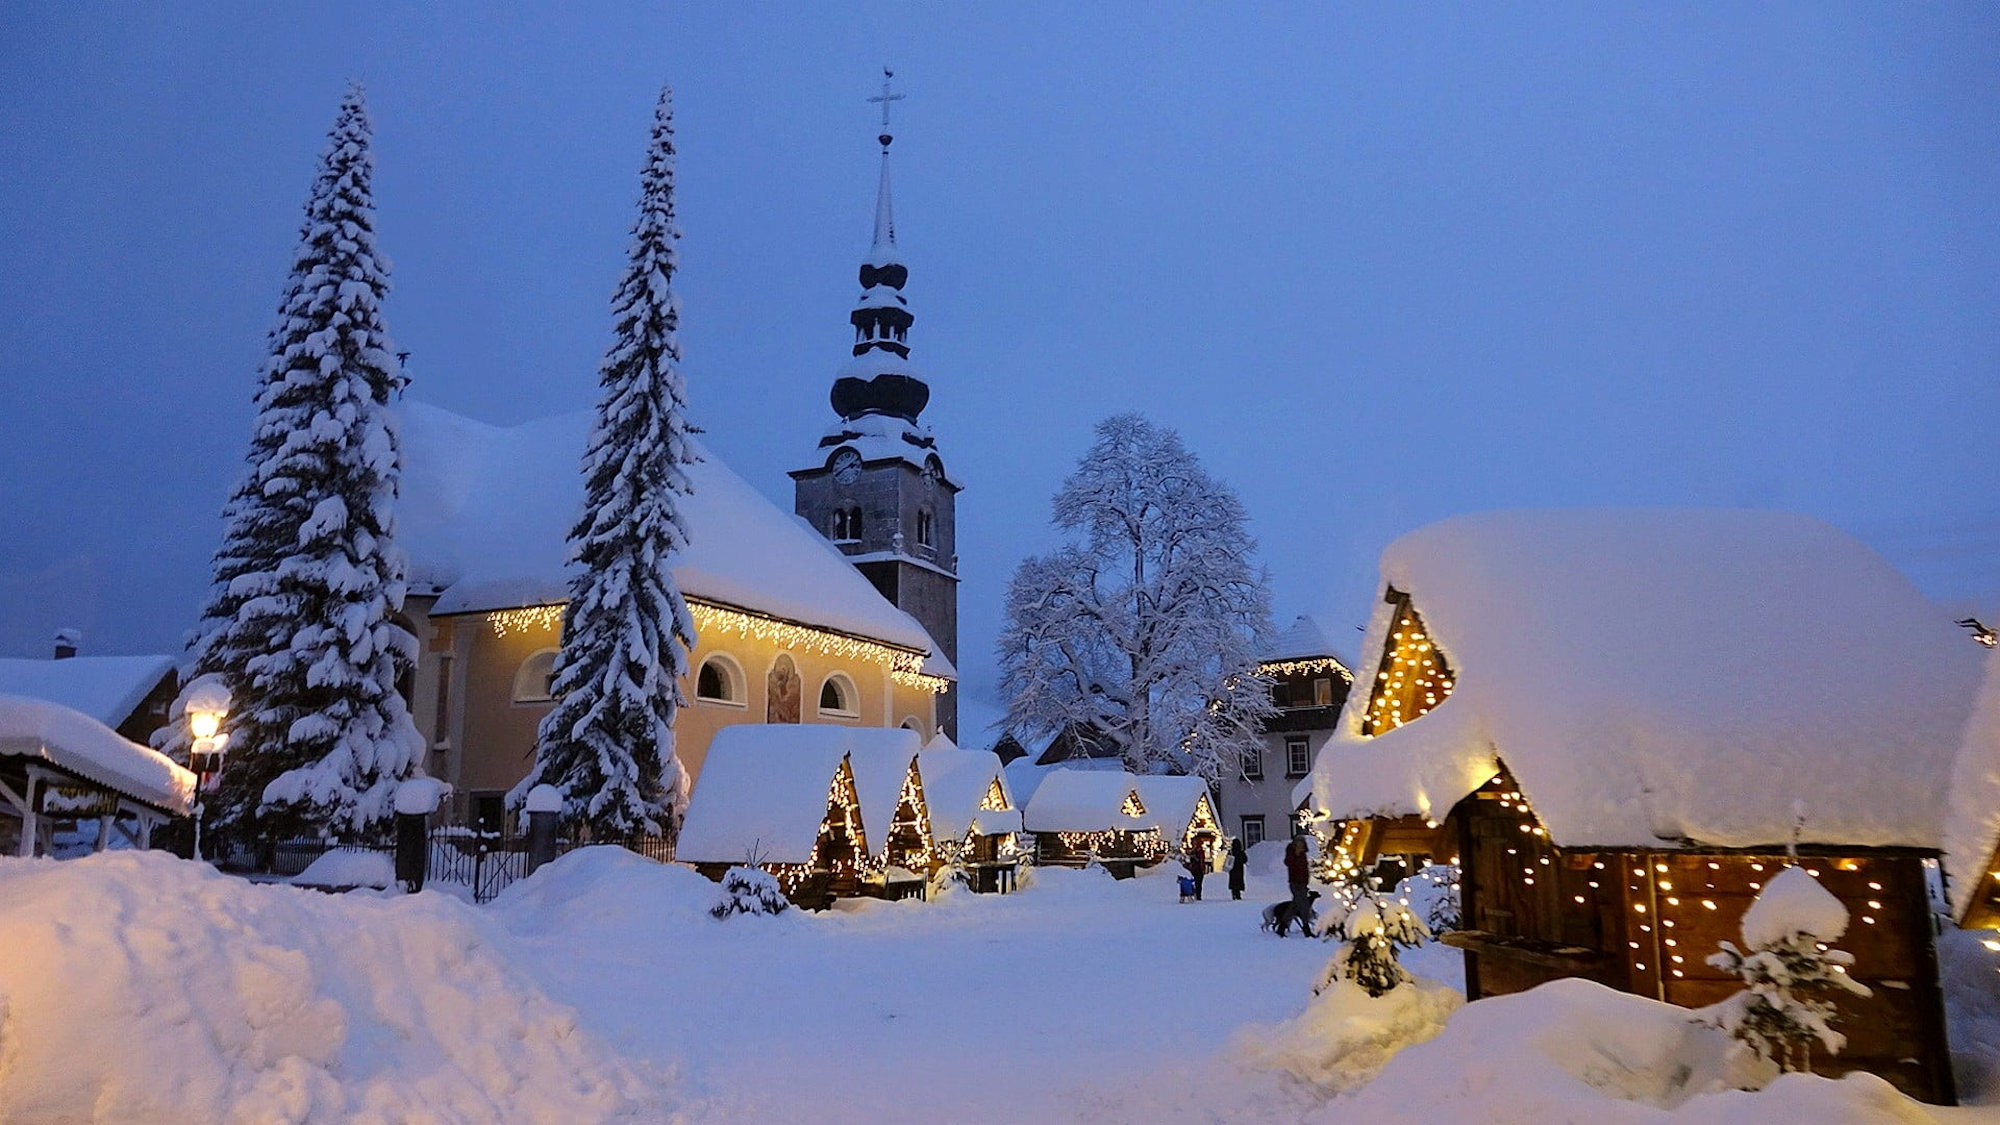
column 1575, row 1051
column 139, row 987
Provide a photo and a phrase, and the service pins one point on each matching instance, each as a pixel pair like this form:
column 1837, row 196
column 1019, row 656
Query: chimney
column 67, row 642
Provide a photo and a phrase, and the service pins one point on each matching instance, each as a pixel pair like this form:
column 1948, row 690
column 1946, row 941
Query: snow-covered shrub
column 1433, row 894
column 1372, row 928
column 1788, row 930
column 749, row 890
column 1344, row 1037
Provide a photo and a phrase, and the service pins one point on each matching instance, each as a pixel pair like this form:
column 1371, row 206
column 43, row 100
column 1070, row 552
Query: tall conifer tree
column 307, row 580
column 608, row 745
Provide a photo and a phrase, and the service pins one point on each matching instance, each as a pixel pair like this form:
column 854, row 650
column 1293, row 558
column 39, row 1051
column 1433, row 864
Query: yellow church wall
column 494, row 732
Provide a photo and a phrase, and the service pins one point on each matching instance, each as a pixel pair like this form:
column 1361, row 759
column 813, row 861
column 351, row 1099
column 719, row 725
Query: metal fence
column 482, row 860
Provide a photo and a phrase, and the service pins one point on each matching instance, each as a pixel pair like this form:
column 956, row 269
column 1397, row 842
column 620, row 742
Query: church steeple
column 880, row 379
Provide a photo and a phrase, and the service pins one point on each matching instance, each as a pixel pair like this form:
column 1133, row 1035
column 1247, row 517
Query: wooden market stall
column 974, row 821
column 1624, row 719
column 56, row 762
column 1080, row 815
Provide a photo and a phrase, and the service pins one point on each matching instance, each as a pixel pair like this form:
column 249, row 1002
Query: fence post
column 544, row 807
column 416, row 799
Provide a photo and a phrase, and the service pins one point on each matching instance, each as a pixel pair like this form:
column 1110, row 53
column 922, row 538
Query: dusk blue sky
column 1379, row 265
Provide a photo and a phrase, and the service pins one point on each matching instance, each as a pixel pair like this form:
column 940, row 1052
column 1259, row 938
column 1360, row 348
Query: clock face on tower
column 847, row 466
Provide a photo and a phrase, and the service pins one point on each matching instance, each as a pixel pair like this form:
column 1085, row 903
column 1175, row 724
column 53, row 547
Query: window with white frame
column 533, row 679
column 838, row 699
column 719, row 681
column 1298, row 757
column 1253, row 763
column 1253, row 830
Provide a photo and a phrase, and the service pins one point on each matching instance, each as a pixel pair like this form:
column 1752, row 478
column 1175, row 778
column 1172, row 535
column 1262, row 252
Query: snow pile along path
column 139, row 987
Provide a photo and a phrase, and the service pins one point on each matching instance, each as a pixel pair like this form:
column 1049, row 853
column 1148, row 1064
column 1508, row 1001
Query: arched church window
column 719, row 681
column 781, row 691
column 838, row 699
column 854, row 523
column 534, row 679
column 926, row 528
column 840, row 523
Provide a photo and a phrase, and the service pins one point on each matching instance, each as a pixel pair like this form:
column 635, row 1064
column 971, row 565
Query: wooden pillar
column 29, row 826
column 104, row 830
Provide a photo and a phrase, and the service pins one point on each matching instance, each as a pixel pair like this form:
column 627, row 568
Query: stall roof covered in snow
column 763, row 789
column 1972, row 827
column 74, row 743
column 1303, row 640
column 485, row 511
column 1171, row 801
column 1657, row 677
column 107, row 688
column 955, row 782
column 1085, row 801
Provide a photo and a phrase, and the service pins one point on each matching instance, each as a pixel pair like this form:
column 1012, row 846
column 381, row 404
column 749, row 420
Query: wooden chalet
column 1619, row 721
column 1078, row 815
column 831, row 812
column 972, row 815
column 1185, row 810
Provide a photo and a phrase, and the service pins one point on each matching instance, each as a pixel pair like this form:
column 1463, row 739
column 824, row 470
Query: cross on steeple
column 885, row 98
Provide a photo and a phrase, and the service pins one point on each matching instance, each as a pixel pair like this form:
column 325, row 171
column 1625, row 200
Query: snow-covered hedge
column 749, row 890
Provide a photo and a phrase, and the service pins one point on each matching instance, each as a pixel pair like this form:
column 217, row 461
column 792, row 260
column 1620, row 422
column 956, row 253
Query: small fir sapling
column 1372, row 929
column 1789, row 964
column 749, row 890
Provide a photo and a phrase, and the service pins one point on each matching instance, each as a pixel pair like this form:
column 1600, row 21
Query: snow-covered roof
column 955, row 782
column 77, row 744
column 485, row 511
column 1171, row 801
column 763, row 789
column 762, row 793
column 883, row 437
column 1303, row 640
column 107, row 688
column 1659, row 676
column 880, row 758
column 1085, row 801
column 1972, row 826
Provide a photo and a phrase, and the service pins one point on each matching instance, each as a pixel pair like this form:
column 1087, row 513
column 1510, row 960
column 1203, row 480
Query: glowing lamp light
column 204, row 724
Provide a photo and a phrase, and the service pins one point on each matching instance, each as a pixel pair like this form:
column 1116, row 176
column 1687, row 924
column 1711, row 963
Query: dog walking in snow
column 1279, row 916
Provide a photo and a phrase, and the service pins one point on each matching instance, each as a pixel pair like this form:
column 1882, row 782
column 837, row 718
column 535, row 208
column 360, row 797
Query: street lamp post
column 206, row 703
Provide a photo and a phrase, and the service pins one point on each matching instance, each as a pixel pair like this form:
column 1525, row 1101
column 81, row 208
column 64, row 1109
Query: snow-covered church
column 843, row 613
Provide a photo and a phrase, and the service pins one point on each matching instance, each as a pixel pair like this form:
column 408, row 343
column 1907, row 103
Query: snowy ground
column 137, row 987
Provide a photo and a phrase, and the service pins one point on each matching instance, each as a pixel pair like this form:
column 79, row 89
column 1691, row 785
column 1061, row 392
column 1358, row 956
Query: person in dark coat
column 1197, row 863
column 1238, row 860
column 1298, row 873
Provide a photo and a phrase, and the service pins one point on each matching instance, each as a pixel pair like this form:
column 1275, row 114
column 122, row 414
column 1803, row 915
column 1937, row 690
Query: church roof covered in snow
column 1972, row 826
column 77, row 744
column 1070, row 800
column 1655, row 678
column 107, row 688
column 955, row 782
column 485, row 512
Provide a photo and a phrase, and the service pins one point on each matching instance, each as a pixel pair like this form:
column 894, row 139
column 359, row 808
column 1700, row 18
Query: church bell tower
column 877, row 485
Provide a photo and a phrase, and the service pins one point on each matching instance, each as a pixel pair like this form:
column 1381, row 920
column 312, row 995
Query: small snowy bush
column 1372, row 929
column 749, row 890
column 1433, row 893
column 1789, row 930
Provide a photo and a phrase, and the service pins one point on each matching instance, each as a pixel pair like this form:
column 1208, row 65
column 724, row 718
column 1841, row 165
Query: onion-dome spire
column 880, row 380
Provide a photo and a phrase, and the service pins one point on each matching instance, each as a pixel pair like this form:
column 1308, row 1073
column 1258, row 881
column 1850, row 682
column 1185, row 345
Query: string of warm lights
column 995, row 799
column 1413, row 679
column 905, row 665
column 1305, row 667
column 527, row 619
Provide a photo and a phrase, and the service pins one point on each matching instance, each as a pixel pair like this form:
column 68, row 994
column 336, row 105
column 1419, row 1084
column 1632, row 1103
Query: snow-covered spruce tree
column 608, row 744
column 300, row 622
column 1373, row 928
column 748, row 890
column 1789, row 930
column 1143, row 630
